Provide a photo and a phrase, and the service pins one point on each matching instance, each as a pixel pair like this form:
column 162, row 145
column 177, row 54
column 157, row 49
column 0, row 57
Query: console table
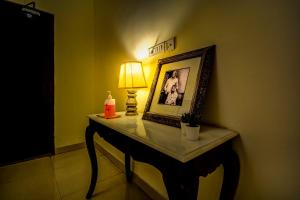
column 180, row 161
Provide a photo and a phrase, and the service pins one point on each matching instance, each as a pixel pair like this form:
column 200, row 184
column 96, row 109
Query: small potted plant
column 185, row 118
column 192, row 129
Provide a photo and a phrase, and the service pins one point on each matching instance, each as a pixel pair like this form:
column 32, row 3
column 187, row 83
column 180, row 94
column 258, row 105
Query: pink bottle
column 109, row 106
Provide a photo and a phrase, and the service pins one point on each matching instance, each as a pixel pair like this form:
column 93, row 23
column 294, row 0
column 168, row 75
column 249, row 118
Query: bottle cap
column 109, row 95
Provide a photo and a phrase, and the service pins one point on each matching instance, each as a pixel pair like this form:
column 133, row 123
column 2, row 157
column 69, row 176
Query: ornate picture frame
column 179, row 86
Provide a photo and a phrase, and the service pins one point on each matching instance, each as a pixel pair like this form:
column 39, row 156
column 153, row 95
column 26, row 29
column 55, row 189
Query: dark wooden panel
column 26, row 81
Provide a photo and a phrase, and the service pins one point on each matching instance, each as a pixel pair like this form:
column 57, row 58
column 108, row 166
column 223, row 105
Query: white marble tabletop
column 167, row 139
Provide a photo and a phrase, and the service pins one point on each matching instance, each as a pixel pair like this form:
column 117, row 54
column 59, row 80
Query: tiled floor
column 65, row 177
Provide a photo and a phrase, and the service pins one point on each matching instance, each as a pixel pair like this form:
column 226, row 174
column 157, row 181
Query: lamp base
column 131, row 103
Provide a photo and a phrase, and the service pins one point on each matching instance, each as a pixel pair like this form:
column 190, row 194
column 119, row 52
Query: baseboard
column 112, row 158
column 136, row 178
column 68, row 148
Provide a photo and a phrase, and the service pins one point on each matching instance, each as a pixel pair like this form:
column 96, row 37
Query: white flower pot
column 192, row 133
column 183, row 125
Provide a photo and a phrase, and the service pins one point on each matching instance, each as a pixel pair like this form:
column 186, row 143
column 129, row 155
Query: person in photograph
column 172, row 96
column 173, row 80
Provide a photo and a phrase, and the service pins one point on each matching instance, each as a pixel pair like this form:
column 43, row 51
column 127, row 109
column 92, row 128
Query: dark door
column 26, row 83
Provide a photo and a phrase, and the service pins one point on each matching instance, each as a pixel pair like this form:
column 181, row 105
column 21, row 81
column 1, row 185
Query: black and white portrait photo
column 173, row 87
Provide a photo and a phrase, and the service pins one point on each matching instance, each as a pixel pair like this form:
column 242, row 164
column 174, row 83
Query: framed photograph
column 179, row 86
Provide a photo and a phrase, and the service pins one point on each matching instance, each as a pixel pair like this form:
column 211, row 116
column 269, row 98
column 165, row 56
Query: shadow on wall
column 211, row 110
column 247, row 175
column 212, row 115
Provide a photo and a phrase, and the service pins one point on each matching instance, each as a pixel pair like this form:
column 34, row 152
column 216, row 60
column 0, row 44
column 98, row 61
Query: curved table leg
column 128, row 167
column 89, row 139
column 231, row 166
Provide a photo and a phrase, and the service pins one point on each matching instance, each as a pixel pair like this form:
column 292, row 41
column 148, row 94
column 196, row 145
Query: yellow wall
column 254, row 88
column 74, row 67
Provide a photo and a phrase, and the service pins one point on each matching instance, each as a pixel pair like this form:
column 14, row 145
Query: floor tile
column 43, row 188
column 78, row 170
column 32, row 179
column 114, row 188
column 65, row 176
column 27, row 169
column 72, row 158
column 12, row 190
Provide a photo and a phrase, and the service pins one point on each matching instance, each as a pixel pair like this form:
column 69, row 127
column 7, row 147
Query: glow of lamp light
column 141, row 54
column 141, row 48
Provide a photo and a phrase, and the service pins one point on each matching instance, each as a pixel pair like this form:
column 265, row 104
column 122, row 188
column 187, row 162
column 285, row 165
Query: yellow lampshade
column 132, row 75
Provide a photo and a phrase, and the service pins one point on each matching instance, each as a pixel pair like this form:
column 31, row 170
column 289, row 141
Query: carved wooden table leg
column 181, row 186
column 128, row 167
column 89, row 135
column 231, row 175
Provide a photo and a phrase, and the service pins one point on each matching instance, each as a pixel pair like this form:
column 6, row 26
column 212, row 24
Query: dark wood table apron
column 181, row 179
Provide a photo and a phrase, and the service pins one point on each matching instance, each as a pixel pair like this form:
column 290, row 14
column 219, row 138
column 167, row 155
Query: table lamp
column 131, row 77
